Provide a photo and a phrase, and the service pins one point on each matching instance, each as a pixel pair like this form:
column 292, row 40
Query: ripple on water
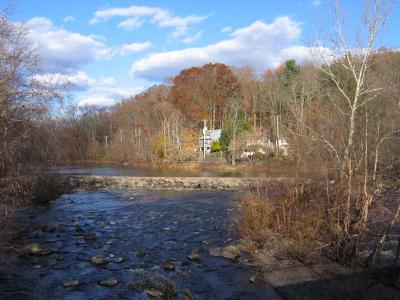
column 150, row 231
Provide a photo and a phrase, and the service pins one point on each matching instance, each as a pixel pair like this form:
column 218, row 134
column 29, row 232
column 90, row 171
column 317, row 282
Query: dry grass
column 291, row 222
column 20, row 191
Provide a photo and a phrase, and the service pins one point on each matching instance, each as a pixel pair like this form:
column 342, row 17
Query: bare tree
column 346, row 63
column 23, row 99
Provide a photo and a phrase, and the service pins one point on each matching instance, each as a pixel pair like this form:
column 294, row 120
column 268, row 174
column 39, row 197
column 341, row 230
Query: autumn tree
column 251, row 93
column 186, row 94
column 202, row 93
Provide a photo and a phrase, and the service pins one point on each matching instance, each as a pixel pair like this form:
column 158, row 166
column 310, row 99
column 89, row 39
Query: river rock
column 49, row 228
column 119, row 259
column 185, row 294
column 141, row 254
column 108, row 282
column 99, row 245
column 169, row 265
column 89, row 236
column 74, row 282
column 36, row 249
column 97, row 260
column 139, row 271
column 154, row 293
column 60, row 256
column 156, row 282
column 195, row 255
column 231, row 252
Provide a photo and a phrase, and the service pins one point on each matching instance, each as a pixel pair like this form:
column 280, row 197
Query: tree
column 251, row 93
column 290, row 70
column 346, row 68
column 24, row 100
column 235, row 126
column 203, row 92
column 218, row 84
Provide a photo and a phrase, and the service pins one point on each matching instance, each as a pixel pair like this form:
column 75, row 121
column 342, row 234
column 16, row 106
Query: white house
column 263, row 145
column 207, row 138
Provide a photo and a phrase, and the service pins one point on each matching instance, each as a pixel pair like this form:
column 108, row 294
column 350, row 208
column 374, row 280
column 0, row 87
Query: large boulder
column 195, row 255
column 155, row 285
column 231, row 252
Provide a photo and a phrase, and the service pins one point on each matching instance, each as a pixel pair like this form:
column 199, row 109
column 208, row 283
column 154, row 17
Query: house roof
column 213, row 134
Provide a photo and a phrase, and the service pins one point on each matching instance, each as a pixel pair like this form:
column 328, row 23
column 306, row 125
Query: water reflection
column 140, row 172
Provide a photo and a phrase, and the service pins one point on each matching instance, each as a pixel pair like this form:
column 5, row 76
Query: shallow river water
column 144, row 172
column 135, row 232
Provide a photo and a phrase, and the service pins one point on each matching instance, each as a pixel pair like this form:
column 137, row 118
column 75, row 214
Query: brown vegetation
column 26, row 139
column 287, row 224
column 344, row 125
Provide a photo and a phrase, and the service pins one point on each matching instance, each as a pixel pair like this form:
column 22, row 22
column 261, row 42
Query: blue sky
column 113, row 49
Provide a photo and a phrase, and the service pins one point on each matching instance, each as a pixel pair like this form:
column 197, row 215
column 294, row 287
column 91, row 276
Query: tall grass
column 23, row 190
column 289, row 223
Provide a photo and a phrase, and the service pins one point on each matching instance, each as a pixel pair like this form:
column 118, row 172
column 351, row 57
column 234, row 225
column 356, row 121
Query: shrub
column 291, row 221
column 216, row 146
column 19, row 191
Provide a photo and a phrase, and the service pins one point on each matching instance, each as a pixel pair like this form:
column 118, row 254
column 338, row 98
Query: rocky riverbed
column 171, row 183
column 119, row 244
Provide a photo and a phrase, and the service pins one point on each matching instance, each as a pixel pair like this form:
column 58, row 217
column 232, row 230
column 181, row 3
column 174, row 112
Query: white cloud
column 316, row 2
column 103, row 15
column 102, row 91
column 39, row 23
column 101, row 95
column 79, row 81
column 128, row 49
column 226, row 29
column 260, row 44
column 190, row 39
column 108, row 80
column 62, row 49
column 69, row 19
column 136, row 15
column 131, row 23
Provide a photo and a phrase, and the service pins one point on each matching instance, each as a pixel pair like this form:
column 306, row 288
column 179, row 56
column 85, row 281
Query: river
column 143, row 238
column 144, row 172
